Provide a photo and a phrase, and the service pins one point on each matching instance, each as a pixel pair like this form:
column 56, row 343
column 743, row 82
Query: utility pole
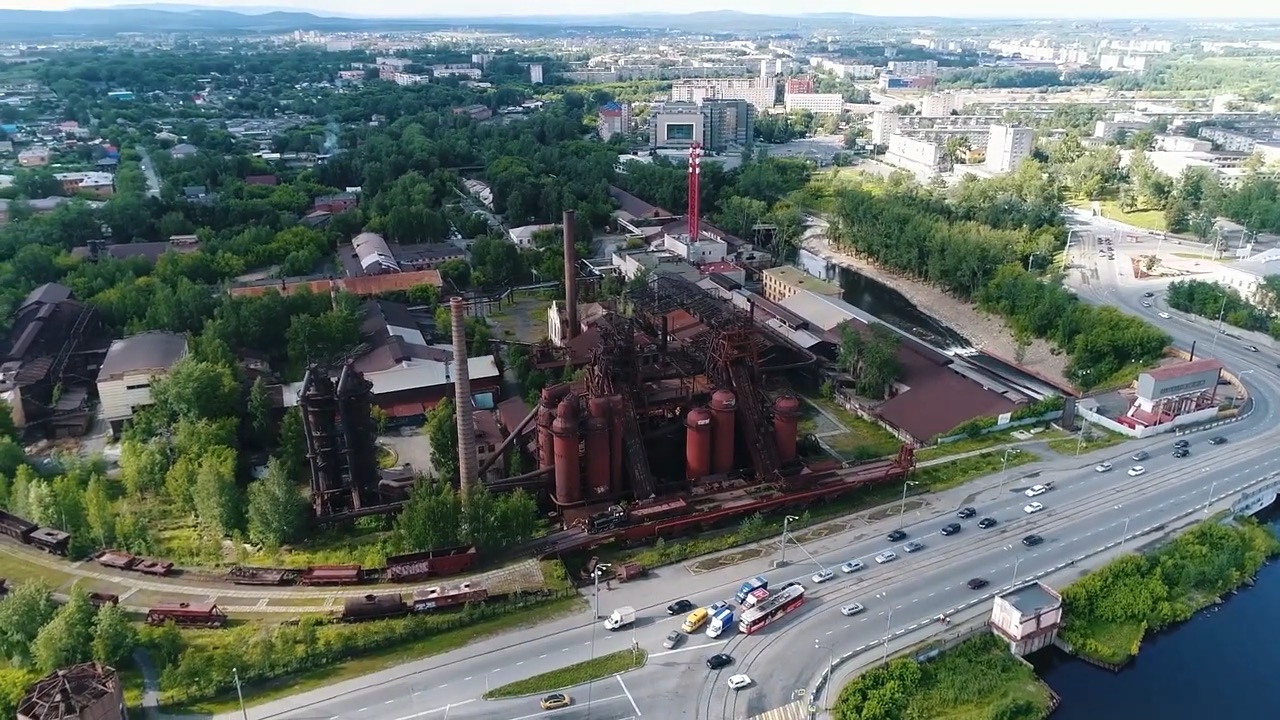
column 235, row 673
column 786, row 524
column 1221, row 313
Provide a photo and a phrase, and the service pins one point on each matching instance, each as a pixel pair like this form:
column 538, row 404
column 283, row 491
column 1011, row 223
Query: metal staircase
column 642, row 483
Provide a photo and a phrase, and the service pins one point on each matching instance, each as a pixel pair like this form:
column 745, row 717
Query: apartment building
column 99, row 184
column 1228, row 140
column 1008, row 146
column 614, row 119
column 717, row 125
column 816, row 103
column 760, row 92
column 914, row 68
column 922, row 157
column 940, row 104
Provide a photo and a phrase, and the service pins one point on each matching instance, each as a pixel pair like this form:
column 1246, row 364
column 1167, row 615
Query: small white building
column 131, row 366
column 1028, row 617
column 706, row 249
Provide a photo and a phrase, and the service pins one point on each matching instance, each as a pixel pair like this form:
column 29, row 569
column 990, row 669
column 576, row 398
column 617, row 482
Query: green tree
column 8, row 429
column 143, row 466
column 292, row 443
column 442, row 435
column 276, row 510
column 20, row 491
column 259, row 408
column 13, row 687
column 99, row 512
column 114, row 637
column 67, row 639
column 431, row 518
column 197, row 389
column 23, row 612
column 215, row 495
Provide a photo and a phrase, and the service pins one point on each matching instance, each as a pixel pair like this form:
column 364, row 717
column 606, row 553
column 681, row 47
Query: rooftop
column 1170, row 372
column 1032, row 599
column 67, row 692
column 797, row 278
column 153, row 352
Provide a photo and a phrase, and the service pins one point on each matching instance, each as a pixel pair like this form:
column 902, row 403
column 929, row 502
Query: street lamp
column 235, row 673
column 1124, row 534
column 1210, row 500
column 888, row 627
column 1016, row 562
column 1084, row 425
column 1004, row 465
column 786, row 524
column 1221, row 312
column 596, row 580
column 831, row 664
column 902, row 509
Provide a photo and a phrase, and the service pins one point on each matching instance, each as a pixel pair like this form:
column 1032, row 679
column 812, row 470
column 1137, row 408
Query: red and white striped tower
column 694, row 214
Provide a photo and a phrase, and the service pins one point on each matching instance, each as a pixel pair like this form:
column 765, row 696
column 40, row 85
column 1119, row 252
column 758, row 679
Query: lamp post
column 888, row 628
column 786, row 524
column 1004, row 465
column 235, row 673
column 1124, row 534
column 902, row 508
column 1016, row 563
column 1210, row 500
column 596, row 582
column 831, row 663
column 1084, row 425
column 1221, row 313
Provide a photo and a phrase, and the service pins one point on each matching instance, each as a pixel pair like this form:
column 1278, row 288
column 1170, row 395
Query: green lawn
column 1143, row 218
column 958, row 472
column 1097, row 439
column 862, row 440
column 571, row 675
column 982, row 442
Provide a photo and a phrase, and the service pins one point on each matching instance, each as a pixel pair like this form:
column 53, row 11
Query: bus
column 773, row 608
column 754, row 583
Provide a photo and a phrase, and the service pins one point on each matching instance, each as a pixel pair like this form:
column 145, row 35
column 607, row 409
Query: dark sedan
column 897, row 535
column 1219, row 440
column 987, row 522
column 719, row 660
column 680, row 607
column 966, row 513
column 1032, row 540
column 978, row 583
column 951, row 529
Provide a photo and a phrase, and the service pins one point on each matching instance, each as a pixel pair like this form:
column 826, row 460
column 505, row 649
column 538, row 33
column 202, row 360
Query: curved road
column 1085, row 512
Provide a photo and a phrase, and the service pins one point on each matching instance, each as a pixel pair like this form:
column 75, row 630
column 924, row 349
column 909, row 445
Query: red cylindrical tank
column 616, row 483
column 597, row 457
column 546, row 416
column 697, row 443
column 565, row 432
column 786, row 422
column 724, row 408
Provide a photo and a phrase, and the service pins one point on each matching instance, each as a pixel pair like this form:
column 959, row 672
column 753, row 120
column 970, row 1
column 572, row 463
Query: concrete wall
column 1144, row 432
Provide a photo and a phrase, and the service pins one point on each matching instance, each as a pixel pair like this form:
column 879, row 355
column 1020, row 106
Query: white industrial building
column 1008, row 146
column 1027, row 617
column 129, row 369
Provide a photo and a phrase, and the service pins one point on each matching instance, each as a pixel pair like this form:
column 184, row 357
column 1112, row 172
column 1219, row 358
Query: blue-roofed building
column 9, row 128
column 615, row 119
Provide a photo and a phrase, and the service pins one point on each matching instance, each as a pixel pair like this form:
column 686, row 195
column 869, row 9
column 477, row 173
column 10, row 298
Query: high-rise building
column 761, row 92
column 816, row 103
column 676, row 125
column 717, row 125
column 615, row 119
column 939, row 104
column 799, row 85
column 1008, row 146
column 730, row 123
column 535, row 73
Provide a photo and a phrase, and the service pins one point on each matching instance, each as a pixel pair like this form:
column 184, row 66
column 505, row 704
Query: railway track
column 1007, row 533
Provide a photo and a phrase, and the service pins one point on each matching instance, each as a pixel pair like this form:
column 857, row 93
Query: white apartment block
column 762, row 93
column 1228, row 140
column 816, row 103
column 1132, row 63
column 1008, row 146
column 453, row 69
column 535, row 73
column 1111, row 130
column 925, row 159
column 913, row 68
column 393, row 62
column 1142, row 46
column 883, row 125
column 939, row 104
column 856, row 72
column 1181, row 143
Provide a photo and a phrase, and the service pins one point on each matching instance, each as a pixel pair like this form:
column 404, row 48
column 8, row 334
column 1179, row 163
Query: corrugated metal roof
column 821, row 311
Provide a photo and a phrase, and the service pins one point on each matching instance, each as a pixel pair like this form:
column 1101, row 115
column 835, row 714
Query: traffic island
column 978, row 678
column 572, row 675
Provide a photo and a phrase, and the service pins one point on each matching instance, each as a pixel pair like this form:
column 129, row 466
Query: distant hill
column 105, row 22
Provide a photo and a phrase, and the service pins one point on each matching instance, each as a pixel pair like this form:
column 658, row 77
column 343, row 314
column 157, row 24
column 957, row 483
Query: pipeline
column 515, row 433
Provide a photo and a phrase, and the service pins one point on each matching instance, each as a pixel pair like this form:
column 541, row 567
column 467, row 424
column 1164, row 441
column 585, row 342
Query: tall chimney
column 570, row 279
column 468, row 480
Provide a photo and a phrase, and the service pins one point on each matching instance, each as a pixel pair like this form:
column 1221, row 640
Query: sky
column 1090, row 9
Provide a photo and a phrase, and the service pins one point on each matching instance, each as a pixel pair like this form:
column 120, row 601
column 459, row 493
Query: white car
column 737, row 682
column 1103, row 467
column 1035, row 490
column 1164, row 315
column 886, row 556
column 852, row 566
column 851, row 609
column 1137, row 470
column 822, row 576
column 1032, row 508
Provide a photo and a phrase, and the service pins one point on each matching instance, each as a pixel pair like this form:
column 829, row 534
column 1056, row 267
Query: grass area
column 1123, row 378
column 944, row 476
column 364, row 665
column 1143, row 217
column 977, row 680
column 16, row 569
column 862, row 440
column 571, row 675
column 1095, row 439
column 387, row 457
column 1114, row 643
column 982, row 442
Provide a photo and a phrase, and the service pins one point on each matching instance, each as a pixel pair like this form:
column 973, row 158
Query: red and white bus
column 773, row 608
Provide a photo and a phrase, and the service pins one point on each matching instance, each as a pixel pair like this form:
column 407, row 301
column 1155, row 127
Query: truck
column 754, row 583
column 721, row 621
column 622, row 617
column 756, row 597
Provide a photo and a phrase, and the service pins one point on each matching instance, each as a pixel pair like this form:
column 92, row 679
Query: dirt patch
column 525, row 320
column 894, row 510
column 728, row 560
column 822, row 531
column 986, row 332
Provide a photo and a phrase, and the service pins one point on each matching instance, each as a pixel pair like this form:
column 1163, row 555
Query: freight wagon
column 373, row 607
column 184, row 614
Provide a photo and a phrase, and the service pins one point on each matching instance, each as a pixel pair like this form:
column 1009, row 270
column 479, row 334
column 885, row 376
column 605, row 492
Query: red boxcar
column 116, row 559
column 331, row 575
column 428, row 563
column 183, row 614
column 436, row 598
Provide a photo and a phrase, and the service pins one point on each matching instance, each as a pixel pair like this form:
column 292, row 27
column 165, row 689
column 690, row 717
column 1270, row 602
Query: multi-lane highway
column 1085, row 511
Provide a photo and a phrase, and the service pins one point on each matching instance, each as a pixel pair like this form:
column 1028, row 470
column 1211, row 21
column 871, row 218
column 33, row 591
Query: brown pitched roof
column 364, row 285
column 940, row 403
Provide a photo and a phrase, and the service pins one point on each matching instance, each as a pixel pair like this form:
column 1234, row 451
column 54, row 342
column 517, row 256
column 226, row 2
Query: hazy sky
column 943, row 8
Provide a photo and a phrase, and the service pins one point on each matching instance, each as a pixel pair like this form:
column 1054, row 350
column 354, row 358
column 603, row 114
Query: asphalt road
column 1085, row 511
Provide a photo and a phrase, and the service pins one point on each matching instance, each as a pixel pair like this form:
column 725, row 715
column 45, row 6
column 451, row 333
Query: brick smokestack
column 570, row 279
column 468, row 479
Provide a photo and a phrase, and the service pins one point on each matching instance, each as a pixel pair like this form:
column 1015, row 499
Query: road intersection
column 1086, row 512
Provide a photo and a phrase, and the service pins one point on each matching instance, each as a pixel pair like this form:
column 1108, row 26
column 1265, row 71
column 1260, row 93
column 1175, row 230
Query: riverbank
column 977, row 679
column 984, row 331
column 1109, row 612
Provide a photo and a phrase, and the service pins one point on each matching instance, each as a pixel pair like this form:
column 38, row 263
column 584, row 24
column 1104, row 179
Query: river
column 1220, row 664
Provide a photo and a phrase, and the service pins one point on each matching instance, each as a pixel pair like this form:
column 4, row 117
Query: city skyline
column 984, row 9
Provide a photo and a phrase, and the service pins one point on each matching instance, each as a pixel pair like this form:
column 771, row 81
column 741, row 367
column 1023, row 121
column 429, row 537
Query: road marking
column 830, row 631
column 932, row 594
column 467, row 678
column 388, row 702
column 542, row 656
column 915, row 600
column 628, row 694
column 361, row 710
column 445, row 709
column 519, row 663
